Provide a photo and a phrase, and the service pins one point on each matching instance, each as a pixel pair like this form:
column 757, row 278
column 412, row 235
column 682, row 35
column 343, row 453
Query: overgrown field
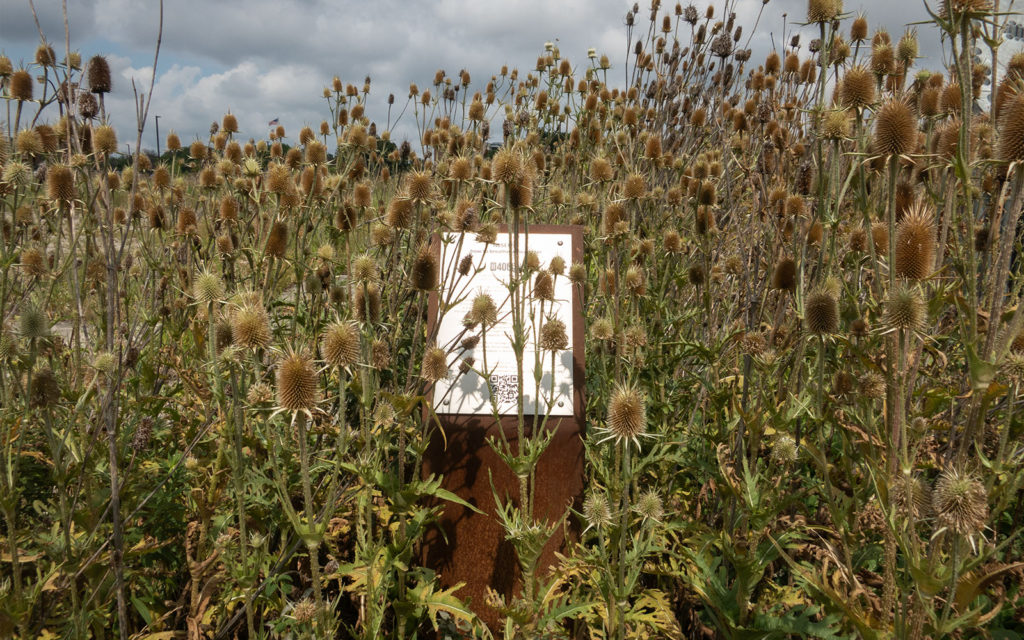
column 805, row 343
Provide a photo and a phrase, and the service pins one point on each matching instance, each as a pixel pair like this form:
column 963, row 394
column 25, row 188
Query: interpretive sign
column 491, row 385
column 479, row 402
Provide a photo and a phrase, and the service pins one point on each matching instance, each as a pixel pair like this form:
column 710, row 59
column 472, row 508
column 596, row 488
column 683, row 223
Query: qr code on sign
column 505, row 388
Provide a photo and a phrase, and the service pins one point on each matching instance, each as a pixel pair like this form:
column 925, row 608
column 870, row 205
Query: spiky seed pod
column 229, row 124
column 964, row 7
column 228, row 208
column 435, row 365
column 33, row 262
column 207, row 287
column 6, row 68
column 424, row 272
column 33, row 323
column 627, row 413
column 785, row 450
column 60, row 183
column 316, row 153
column 483, row 311
column 596, row 512
column 911, row 496
column 505, row 166
column 871, row 386
column 915, row 244
column 552, row 335
column 296, row 382
column 859, row 327
column 222, row 335
column 836, row 125
column 341, row 344
column 1011, row 130
column 821, row 312
column 859, row 29
column 928, row 103
column 173, row 142
column 98, row 75
column 784, row 275
column 45, row 389
column 197, row 150
column 960, row 502
column 544, row 286
column 635, row 187
column 858, row 240
column 904, row 308
column 364, row 268
column 823, row 10
column 461, row 169
column 858, row 89
column 649, row 505
column 880, row 237
column 21, row 84
column 48, row 137
column 366, row 302
column 602, row 329
column 400, row 213
column 250, row 326
column 601, row 170
column 187, row 221
column 895, row 129
column 28, row 142
column 277, row 239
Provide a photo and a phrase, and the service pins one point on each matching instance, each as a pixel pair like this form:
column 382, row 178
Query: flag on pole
column 273, row 123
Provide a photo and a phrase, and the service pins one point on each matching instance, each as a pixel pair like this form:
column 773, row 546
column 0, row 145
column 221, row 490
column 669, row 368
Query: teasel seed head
column 296, row 382
column 45, row 389
column 505, row 166
column 596, row 512
column 197, row 150
column 29, row 142
column 277, row 240
column 785, row 450
column 1011, row 130
column 33, row 323
column 905, row 308
column 483, row 310
column 552, row 335
column 649, row 505
column 424, row 270
column 880, row 237
column 960, row 502
column 99, row 75
column 911, row 496
column 544, row 286
column 858, row 90
column 823, row 10
column 435, row 365
column 821, row 312
column 601, row 170
column 187, row 221
column 915, row 244
column 836, row 125
column 602, row 329
column 635, row 187
column 229, row 123
column 60, row 183
column 21, row 85
column 207, row 287
column 784, row 275
column 366, row 302
column 250, row 326
column 400, row 213
column 895, row 129
column 104, row 139
column 871, row 386
column 627, row 413
column 341, row 344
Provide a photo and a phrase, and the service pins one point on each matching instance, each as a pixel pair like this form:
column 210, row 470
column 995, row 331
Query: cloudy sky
column 265, row 59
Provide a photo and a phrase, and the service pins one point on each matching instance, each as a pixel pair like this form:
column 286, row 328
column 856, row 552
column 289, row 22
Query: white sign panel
column 494, row 369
